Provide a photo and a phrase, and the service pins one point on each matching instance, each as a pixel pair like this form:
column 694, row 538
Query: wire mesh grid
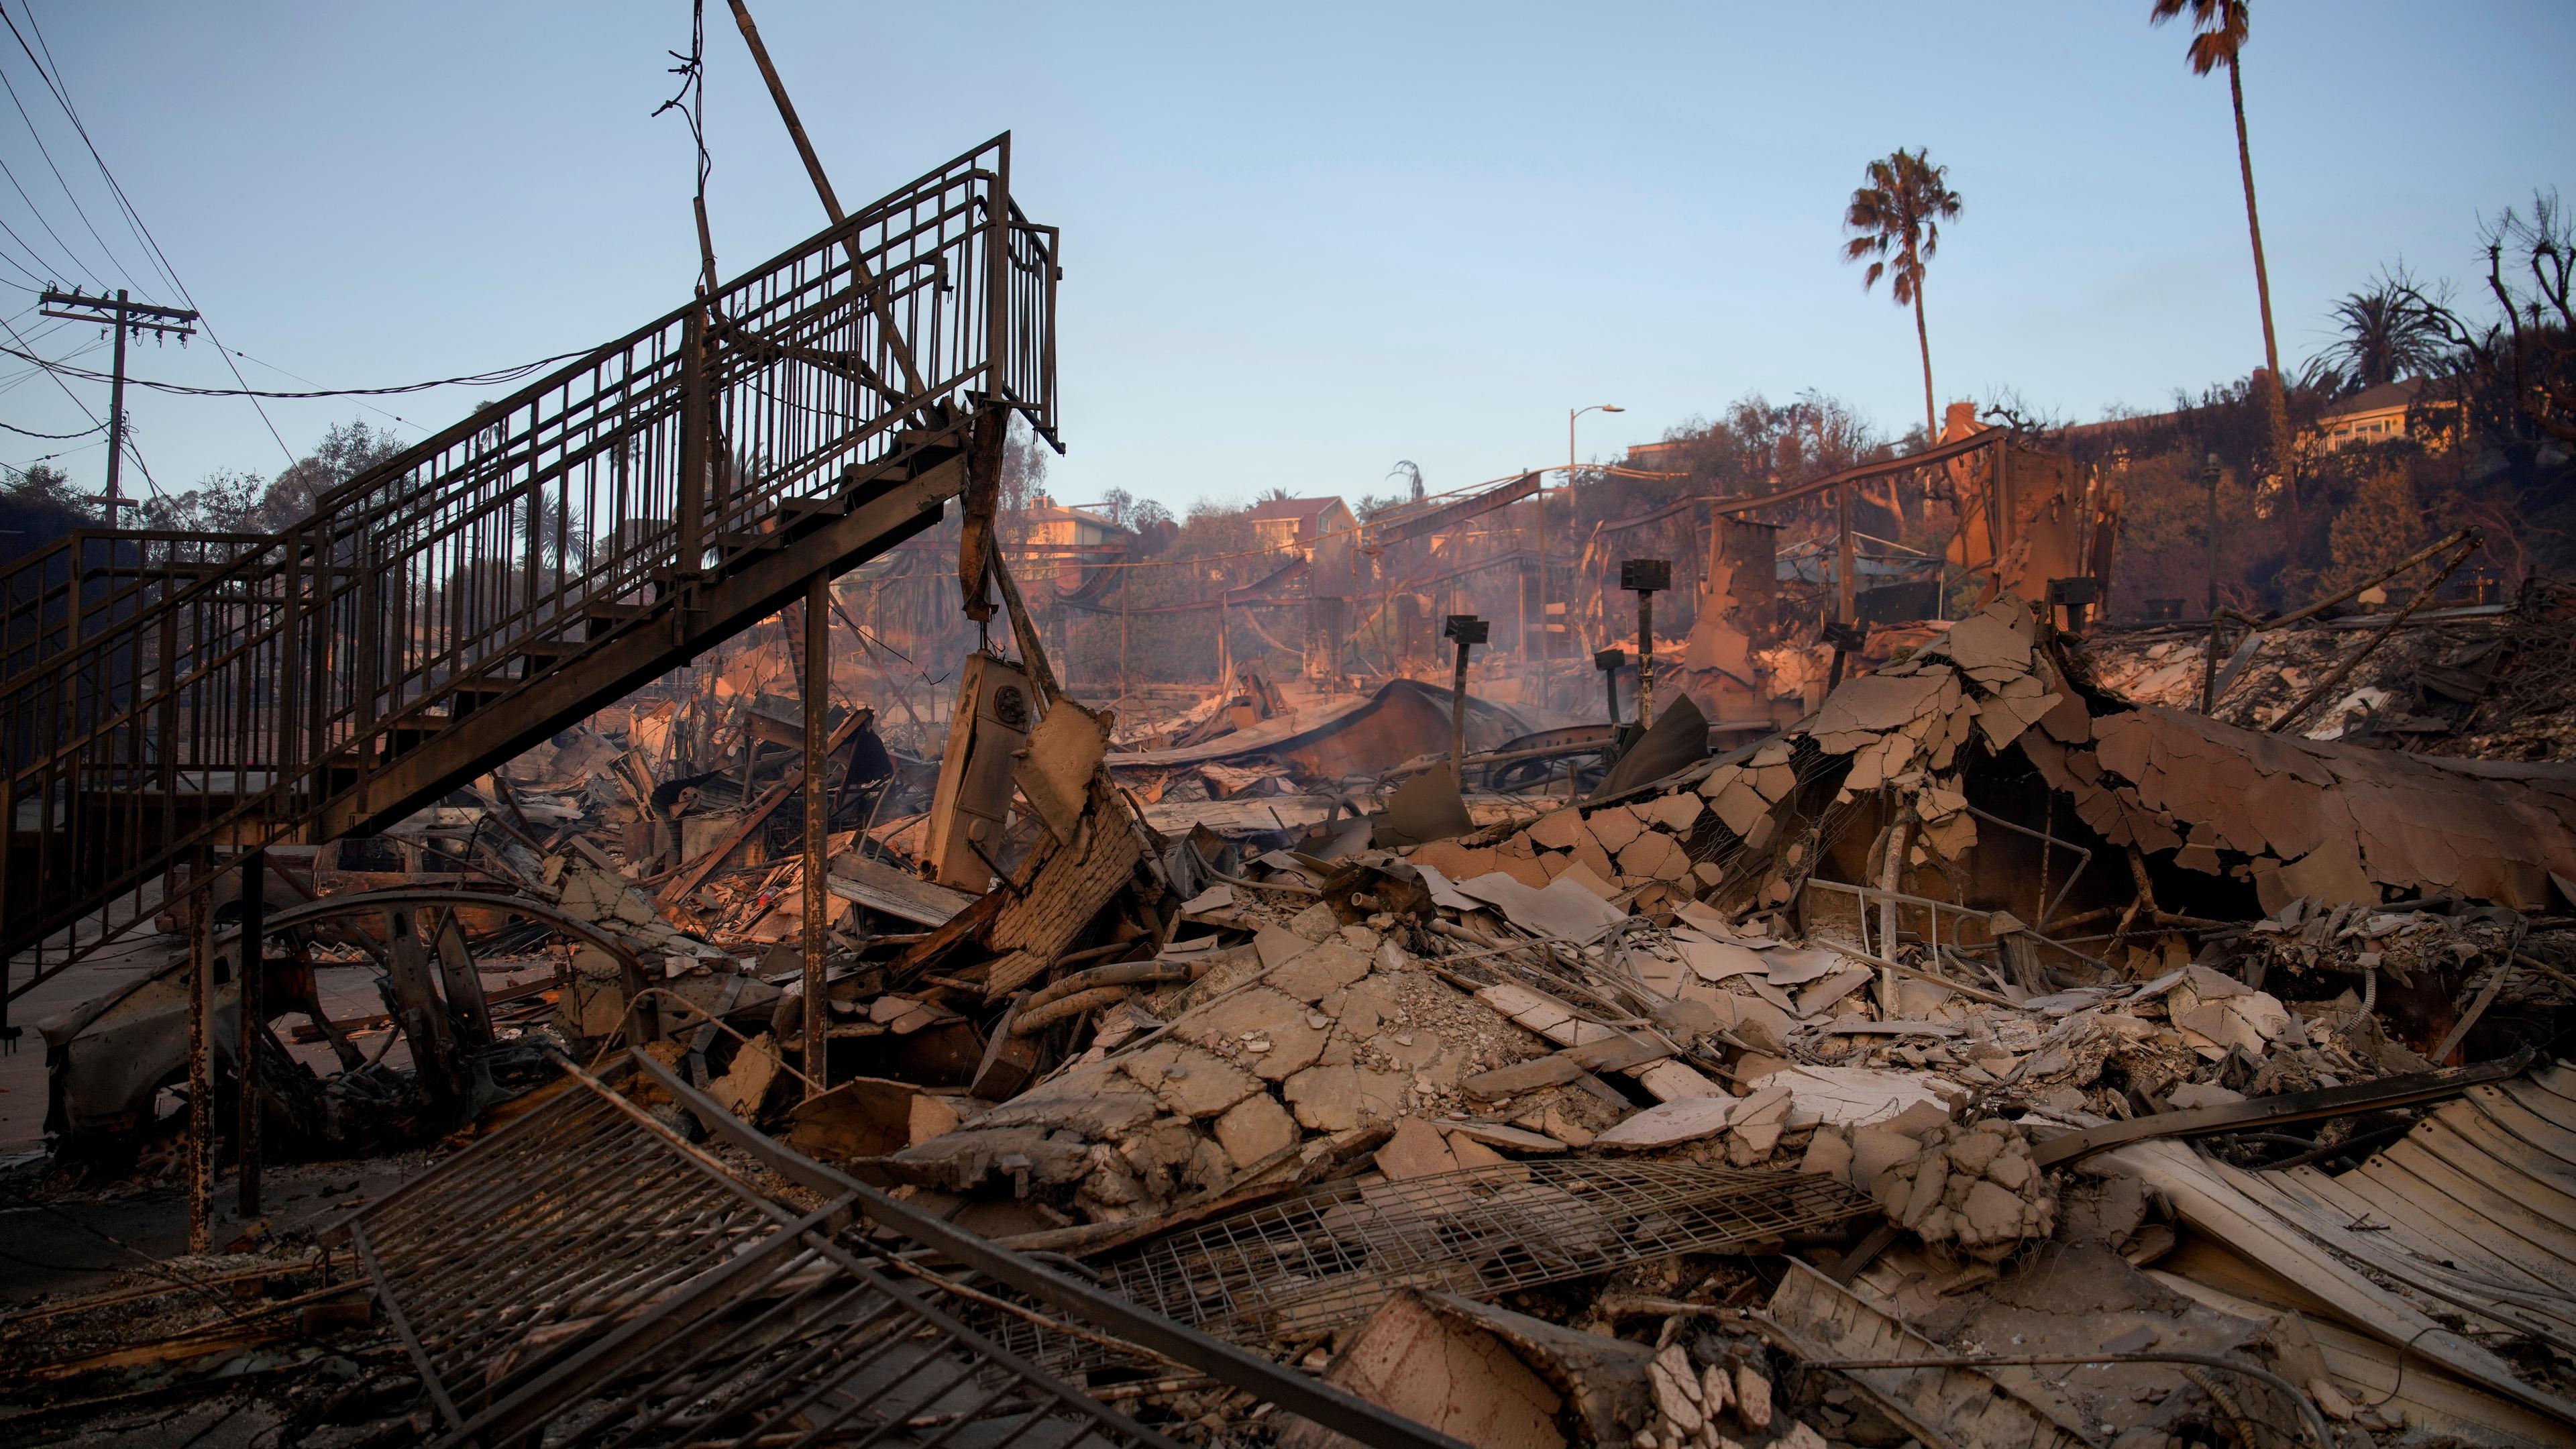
column 586, row 1278
column 576, row 1212
column 820, row 1347
column 1292, row 1270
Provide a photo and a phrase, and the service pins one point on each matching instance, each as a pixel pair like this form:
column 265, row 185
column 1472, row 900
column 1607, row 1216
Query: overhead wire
column 114, row 262
column 53, row 437
column 39, row 214
column 25, row 270
column 50, row 370
column 483, row 379
column 134, row 218
column 299, row 377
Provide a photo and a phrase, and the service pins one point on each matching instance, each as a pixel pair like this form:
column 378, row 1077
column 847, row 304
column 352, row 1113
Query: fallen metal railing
column 1296, row 1269
column 586, row 1276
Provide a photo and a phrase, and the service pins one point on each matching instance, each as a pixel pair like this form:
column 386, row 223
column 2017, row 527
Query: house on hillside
column 1280, row 521
column 1663, row 457
column 1069, row 538
column 1052, row 525
column 2379, row 415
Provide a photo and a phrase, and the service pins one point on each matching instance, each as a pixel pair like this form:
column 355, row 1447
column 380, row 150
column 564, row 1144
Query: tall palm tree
column 2218, row 39
column 1895, row 225
column 2391, row 330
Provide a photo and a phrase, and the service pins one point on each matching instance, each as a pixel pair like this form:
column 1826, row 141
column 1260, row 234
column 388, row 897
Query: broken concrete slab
column 1670, row 1123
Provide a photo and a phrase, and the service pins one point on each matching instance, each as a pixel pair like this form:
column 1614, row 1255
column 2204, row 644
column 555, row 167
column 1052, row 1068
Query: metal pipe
column 201, row 1067
column 1458, row 714
column 818, row 689
column 1645, row 659
column 787, row 112
column 254, row 1024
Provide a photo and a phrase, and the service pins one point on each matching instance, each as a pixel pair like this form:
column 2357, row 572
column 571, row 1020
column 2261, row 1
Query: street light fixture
column 1546, row 638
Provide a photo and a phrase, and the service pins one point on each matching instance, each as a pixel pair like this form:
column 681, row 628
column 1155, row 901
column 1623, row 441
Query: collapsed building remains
column 1861, row 1029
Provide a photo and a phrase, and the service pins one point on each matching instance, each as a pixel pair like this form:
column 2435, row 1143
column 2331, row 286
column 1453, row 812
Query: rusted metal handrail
column 271, row 693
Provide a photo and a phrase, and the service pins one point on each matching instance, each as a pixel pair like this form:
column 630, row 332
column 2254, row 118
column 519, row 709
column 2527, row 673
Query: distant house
column 1281, row 521
column 2378, row 415
column 1658, row 457
column 1070, row 538
column 1053, row 525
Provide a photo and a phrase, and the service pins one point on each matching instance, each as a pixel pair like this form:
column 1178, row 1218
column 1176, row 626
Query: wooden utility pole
column 126, row 317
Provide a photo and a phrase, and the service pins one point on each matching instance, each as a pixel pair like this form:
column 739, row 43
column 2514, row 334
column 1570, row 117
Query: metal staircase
column 436, row 615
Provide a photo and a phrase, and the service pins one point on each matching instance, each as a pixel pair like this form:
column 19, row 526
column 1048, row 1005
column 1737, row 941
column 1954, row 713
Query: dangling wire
column 691, row 102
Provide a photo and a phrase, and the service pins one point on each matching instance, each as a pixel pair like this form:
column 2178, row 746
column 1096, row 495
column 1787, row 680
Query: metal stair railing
column 85, row 580
column 301, row 689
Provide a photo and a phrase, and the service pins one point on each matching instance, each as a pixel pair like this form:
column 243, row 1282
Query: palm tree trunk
column 1923, row 340
column 2253, row 222
column 2276, row 415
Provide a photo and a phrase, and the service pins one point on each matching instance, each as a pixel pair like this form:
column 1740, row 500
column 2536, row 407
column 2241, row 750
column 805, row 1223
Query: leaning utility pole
column 126, row 316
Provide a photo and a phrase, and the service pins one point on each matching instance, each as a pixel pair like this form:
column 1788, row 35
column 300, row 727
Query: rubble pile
column 1980, row 973
column 1973, row 1186
column 2492, row 683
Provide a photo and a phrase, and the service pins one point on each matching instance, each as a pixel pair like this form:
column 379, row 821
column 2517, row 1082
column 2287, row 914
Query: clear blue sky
column 1301, row 241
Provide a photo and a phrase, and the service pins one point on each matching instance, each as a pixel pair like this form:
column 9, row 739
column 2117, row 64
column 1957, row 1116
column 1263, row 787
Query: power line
column 134, row 218
column 23, row 269
column 50, row 371
column 47, row 152
column 39, row 214
column 48, row 71
column 476, row 379
column 299, row 377
column 50, row 437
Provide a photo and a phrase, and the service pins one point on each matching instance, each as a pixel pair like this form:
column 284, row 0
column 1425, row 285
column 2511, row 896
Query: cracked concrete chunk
column 1189, row 1080
column 1613, row 828
column 1255, row 1129
column 1992, row 1215
column 1319, row 970
column 1260, row 1014
column 1416, row 1150
column 1316, row 923
column 1654, row 856
column 1685, row 1120
column 1277, row 947
column 1336, row 1099
column 1829, row 1154
column 1557, row 829
column 1676, row 812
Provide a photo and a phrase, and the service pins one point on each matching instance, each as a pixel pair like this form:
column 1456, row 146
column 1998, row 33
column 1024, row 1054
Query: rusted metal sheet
column 997, row 706
column 1308, row 737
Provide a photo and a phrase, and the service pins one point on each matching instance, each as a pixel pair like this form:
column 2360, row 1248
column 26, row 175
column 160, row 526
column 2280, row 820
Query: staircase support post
column 997, row 280
column 201, row 1061
column 818, row 686
column 691, row 510
column 247, row 961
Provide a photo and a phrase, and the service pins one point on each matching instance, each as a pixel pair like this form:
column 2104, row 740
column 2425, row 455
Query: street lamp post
column 1546, row 639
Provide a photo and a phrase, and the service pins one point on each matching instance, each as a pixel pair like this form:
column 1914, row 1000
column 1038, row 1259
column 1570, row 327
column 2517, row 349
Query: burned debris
column 755, row 994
